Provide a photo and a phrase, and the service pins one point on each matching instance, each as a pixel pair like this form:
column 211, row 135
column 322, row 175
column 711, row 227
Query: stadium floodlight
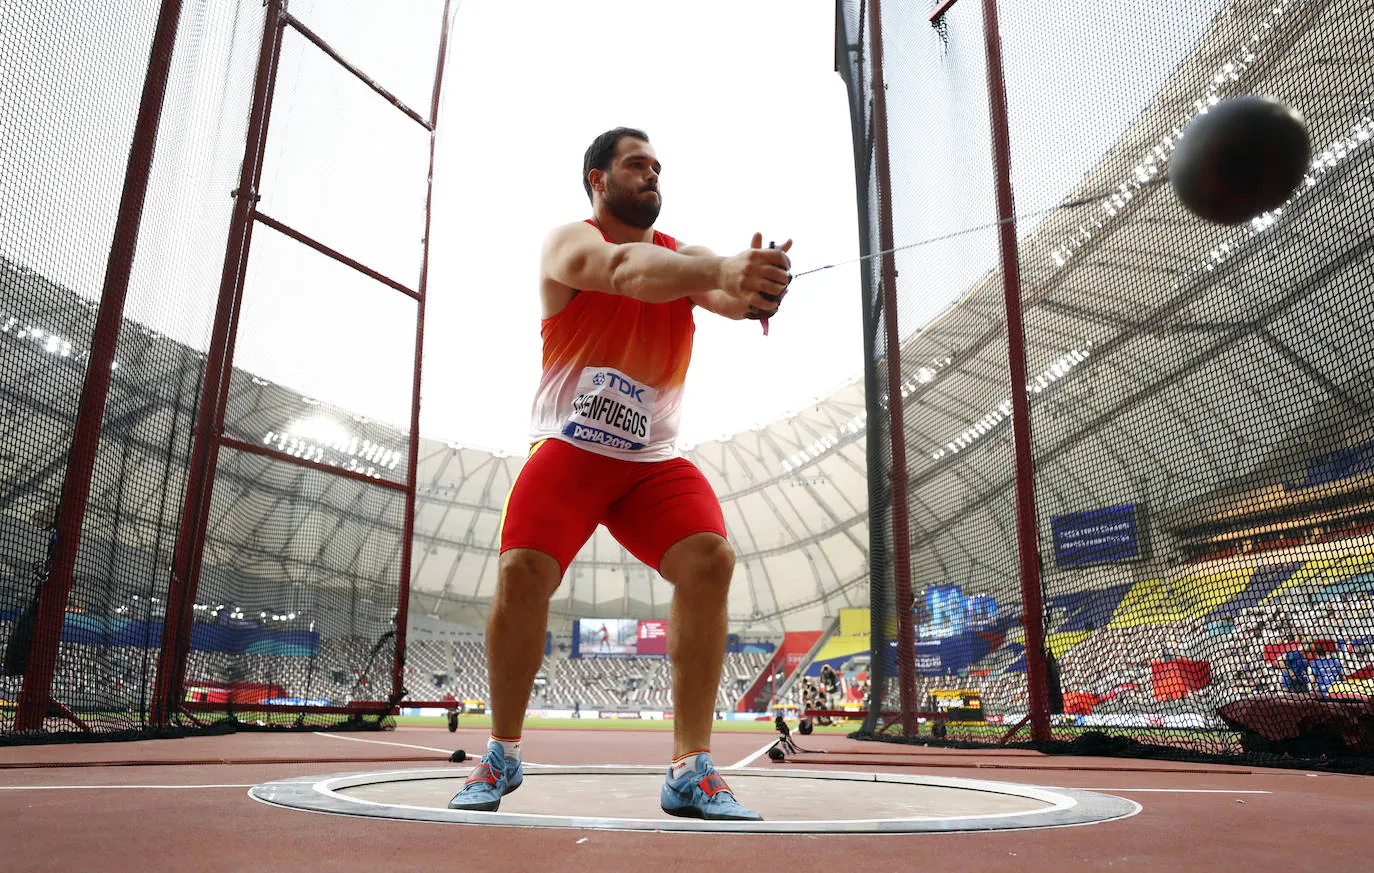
column 1056, row 371
column 322, row 429
column 1227, row 74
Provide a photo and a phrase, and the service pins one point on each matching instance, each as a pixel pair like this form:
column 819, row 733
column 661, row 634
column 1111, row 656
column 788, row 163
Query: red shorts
column 564, row 492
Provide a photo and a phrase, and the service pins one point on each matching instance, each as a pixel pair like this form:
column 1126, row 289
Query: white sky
column 751, row 122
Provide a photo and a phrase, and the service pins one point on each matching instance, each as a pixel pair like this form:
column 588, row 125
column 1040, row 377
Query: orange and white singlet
column 614, row 369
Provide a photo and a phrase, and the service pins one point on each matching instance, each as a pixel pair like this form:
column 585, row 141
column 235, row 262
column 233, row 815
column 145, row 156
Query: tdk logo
column 624, row 386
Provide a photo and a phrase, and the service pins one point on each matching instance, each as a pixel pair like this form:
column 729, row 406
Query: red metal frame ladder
column 186, row 565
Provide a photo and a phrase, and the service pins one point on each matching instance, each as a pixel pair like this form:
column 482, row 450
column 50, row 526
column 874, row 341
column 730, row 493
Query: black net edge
column 207, row 725
column 1318, row 751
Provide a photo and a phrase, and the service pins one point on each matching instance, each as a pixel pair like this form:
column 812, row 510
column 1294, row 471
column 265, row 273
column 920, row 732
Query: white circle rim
column 1066, row 807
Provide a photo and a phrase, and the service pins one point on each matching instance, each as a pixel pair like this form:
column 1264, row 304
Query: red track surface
column 1306, row 822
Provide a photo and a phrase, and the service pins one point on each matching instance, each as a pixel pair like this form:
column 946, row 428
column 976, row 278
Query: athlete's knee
column 704, row 559
column 527, row 573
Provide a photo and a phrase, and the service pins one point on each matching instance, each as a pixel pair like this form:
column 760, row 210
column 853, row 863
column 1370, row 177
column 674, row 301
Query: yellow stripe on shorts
column 505, row 505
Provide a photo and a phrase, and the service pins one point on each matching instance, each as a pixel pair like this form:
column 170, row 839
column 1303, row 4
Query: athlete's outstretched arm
column 757, row 305
column 576, row 255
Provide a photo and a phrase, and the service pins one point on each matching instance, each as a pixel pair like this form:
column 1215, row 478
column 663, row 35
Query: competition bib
column 611, row 410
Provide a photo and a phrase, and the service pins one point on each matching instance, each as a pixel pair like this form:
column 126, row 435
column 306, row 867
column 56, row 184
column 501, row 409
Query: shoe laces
column 487, row 771
column 713, row 783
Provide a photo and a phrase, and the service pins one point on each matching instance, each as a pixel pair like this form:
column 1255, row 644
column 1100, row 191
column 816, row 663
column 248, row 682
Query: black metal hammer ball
column 775, row 754
column 458, row 757
column 1242, row 158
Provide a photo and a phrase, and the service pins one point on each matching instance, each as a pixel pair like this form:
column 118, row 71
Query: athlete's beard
column 627, row 206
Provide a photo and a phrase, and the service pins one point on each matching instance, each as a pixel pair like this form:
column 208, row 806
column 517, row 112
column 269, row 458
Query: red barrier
column 233, row 692
column 795, row 645
column 1174, row 680
column 1079, row 702
column 1274, row 652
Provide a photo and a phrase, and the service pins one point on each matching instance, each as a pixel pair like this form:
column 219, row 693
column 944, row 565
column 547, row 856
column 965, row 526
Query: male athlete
column 618, row 299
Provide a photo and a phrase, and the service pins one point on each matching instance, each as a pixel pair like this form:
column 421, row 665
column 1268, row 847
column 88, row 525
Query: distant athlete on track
column 618, row 303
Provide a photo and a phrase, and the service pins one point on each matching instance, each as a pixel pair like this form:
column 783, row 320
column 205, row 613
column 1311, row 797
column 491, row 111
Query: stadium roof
column 1169, row 359
column 1120, row 396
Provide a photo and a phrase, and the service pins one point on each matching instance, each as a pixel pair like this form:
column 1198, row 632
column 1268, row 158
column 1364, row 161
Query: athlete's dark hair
column 602, row 151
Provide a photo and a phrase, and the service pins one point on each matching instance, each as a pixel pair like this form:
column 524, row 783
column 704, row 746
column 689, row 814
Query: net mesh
column 857, row 73
column 303, row 567
column 72, row 84
column 300, row 582
column 297, row 593
column 1200, row 411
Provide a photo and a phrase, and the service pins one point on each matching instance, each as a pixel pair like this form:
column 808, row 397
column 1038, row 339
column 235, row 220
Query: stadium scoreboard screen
column 619, row 638
column 652, row 638
column 1100, row 536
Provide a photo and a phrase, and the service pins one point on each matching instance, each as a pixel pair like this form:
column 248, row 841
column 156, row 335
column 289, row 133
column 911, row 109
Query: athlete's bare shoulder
column 572, row 232
column 566, row 249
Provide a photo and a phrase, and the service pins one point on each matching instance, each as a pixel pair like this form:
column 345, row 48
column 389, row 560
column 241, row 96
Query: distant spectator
column 1295, row 670
column 830, row 683
column 1326, row 671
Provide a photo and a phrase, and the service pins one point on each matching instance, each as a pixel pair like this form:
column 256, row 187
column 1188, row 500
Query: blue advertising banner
column 948, row 612
column 946, row 604
column 94, row 630
column 955, row 654
column 1101, row 536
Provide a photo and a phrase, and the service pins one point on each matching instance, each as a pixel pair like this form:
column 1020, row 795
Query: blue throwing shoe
column 702, row 793
column 492, row 779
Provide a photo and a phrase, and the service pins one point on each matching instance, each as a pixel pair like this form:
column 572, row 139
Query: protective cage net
column 298, row 597
column 301, row 570
column 856, row 70
column 70, row 89
column 1200, row 405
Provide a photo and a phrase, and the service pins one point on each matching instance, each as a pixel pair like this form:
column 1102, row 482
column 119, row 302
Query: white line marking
column 1177, row 790
column 107, row 787
column 745, row 762
column 382, row 743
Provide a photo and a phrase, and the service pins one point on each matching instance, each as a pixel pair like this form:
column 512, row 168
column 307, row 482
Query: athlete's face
column 631, row 192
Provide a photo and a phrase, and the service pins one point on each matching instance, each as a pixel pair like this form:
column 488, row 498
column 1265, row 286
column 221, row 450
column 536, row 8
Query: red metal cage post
column 210, row 436
column 35, row 697
column 901, row 533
